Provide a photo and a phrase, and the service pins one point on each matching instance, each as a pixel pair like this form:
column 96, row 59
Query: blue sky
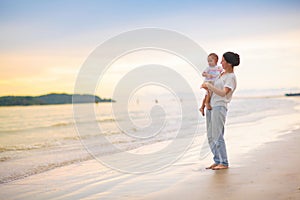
column 42, row 22
column 60, row 35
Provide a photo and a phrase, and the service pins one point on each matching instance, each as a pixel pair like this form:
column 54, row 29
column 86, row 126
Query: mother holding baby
column 222, row 91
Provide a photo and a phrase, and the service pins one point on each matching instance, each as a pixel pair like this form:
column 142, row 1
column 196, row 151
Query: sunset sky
column 44, row 43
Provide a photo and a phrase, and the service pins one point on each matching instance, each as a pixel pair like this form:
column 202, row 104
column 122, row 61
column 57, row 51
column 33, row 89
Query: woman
column 222, row 90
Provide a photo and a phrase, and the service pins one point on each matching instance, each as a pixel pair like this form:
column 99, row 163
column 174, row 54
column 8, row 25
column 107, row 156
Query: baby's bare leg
column 203, row 105
column 207, row 100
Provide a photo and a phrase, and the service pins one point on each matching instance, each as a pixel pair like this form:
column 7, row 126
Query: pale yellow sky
column 266, row 61
column 46, row 55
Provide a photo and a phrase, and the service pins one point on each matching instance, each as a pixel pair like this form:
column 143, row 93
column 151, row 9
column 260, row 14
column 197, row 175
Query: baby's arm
column 205, row 72
column 207, row 75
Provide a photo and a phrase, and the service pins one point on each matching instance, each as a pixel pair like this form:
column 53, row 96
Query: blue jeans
column 215, row 121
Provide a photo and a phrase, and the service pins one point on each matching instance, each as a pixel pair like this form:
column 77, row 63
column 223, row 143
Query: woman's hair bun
column 232, row 58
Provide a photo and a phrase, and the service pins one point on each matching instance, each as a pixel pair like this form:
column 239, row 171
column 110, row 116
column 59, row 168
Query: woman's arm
column 221, row 92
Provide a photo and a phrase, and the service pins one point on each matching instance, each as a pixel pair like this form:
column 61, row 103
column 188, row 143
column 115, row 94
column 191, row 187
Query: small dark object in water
column 292, row 94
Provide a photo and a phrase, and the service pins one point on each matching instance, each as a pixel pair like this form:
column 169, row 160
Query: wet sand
column 269, row 172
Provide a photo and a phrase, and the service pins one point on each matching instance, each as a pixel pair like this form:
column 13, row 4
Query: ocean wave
column 56, row 125
column 23, row 147
column 82, row 122
column 5, row 158
column 61, row 124
column 33, row 169
column 40, row 169
column 58, row 142
column 106, row 120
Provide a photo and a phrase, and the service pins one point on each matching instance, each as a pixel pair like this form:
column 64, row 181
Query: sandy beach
column 269, row 172
column 264, row 164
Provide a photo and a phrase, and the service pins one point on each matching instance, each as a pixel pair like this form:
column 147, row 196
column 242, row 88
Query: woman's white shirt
column 226, row 80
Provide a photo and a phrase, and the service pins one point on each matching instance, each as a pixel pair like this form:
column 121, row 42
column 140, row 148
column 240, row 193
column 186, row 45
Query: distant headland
column 292, row 94
column 50, row 99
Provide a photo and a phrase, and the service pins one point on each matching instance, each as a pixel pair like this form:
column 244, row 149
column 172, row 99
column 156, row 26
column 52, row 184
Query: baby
column 210, row 73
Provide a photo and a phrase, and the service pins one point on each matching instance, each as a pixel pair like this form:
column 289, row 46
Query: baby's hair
column 215, row 56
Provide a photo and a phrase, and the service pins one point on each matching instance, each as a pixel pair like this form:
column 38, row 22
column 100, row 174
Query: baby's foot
column 208, row 107
column 202, row 110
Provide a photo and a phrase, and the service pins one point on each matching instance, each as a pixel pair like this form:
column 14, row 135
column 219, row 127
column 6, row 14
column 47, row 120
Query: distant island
column 49, row 99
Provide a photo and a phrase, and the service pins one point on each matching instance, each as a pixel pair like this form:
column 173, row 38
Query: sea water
column 34, row 139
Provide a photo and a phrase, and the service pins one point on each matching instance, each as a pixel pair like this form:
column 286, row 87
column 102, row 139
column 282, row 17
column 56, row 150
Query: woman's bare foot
column 219, row 167
column 212, row 166
column 202, row 111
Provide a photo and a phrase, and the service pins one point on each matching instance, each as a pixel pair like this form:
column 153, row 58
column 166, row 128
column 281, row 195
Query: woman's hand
column 207, row 75
column 210, row 76
column 204, row 85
